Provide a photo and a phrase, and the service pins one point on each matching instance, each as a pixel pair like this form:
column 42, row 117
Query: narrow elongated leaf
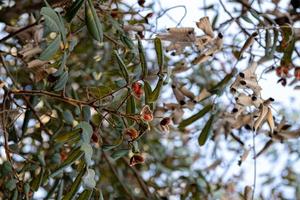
column 68, row 136
column 205, row 131
column 148, row 92
column 51, row 19
column 142, row 59
column 219, row 87
column 37, row 181
column 61, row 82
column 122, row 66
column 71, row 12
column 156, row 92
column 54, row 21
column 195, row 117
column 85, row 195
column 76, row 184
column 119, row 153
column 159, row 54
column 93, row 23
column 130, row 108
column 72, row 157
column 51, row 49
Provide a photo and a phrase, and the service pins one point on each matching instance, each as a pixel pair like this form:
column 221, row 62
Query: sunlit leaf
column 85, row 195
column 70, row 136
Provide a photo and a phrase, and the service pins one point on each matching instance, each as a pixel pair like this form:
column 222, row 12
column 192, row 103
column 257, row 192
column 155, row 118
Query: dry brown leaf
column 205, row 26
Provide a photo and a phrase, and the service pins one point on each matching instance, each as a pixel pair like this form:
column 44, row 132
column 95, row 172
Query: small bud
column 136, row 159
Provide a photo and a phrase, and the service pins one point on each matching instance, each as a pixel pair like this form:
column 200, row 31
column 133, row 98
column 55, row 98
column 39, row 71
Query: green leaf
column 99, row 92
column 159, row 54
column 122, row 66
column 93, row 23
column 156, row 92
column 6, row 168
column 87, row 131
column 51, row 19
column 54, row 21
column 127, row 41
column 73, row 9
column 142, row 59
column 72, row 157
column 88, row 153
column 247, row 19
column 68, row 116
column 89, row 179
column 205, row 131
column 11, row 184
column 70, row 136
column 130, row 108
column 254, row 14
column 148, row 92
column 219, row 87
column 119, row 153
column 37, row 181
column 85, row 195
column 61, row 82
column 76, row 184
column 195, row 117
column 86, row 112
column 51, row 49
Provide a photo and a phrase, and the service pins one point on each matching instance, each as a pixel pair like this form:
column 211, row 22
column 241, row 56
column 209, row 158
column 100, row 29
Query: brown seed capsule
column 131, row 132
column 164, row 124
column 146, row 114
column 136, row 159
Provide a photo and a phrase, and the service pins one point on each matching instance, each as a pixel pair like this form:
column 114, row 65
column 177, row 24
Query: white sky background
column 270, row 88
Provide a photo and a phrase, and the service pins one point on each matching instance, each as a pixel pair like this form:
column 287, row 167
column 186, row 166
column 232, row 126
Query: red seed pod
column 136, row 159
column 297, row 73
column 131, row 132
column 137, row 89
column 146, row 114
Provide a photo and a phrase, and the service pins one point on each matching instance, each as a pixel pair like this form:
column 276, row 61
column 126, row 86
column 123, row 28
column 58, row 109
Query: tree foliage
column 97, row 103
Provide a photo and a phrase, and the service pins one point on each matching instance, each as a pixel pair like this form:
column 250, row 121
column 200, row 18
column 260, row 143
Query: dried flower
column 146, row 114
column 136, row 159
column 131, row 132
column 164, row 124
